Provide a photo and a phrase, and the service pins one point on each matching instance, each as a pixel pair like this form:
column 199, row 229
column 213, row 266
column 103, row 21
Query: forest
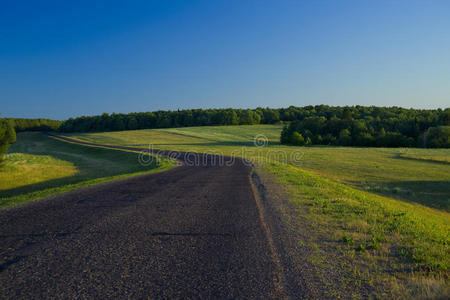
column 372, row 127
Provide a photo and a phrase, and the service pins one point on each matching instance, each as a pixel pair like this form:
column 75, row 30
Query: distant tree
column 7, row 136
column 285, row 135
column 230, row 117
column 393, row 139
column 249, row 117
column 117, row 123
column 363, row 139
column 132, row 123
column 328, row 139
column 318, row 140
column 34, row 124
column 347, row 114
column 446, row 117
column 308, row 141
column 344, row 138
column 297, row 139
column 438, row 137
column 270, row 116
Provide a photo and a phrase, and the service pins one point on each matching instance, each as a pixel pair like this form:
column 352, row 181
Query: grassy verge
column 365, row 243
column 39, row 166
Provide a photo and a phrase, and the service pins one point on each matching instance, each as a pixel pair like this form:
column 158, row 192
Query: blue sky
column 61, row 59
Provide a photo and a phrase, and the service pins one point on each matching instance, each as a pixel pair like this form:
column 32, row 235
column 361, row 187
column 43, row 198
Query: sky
column 61, row 59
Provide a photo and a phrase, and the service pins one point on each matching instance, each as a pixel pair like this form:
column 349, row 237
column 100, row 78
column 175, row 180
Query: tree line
column 21, row 124
column 308, row 125
column 167, row 119
column 9, row 127
column 7, row 136
column 370, row 127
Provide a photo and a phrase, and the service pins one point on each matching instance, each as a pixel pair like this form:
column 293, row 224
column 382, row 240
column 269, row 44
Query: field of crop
column 38, row 166
column 376, row 218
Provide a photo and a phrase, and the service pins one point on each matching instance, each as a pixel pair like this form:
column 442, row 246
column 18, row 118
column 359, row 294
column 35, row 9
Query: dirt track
column 193, row 231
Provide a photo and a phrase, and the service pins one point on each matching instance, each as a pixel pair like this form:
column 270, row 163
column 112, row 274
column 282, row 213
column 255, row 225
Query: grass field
column 377, row 217
column 415, row 175
column 38, row 166
column 205, row 135
column 230, row 135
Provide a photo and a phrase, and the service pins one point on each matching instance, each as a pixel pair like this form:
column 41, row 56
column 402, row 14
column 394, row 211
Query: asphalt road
column 190, row 232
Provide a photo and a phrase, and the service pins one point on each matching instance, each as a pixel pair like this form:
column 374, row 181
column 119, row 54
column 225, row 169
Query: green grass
column 383, row 172
column 38, row 166
column 205, row 135
column 377, row 217
column 230, row 135
column 412, row 175
column 21, row 169
column 406, row 174
column 137, row 137
column 371, row 241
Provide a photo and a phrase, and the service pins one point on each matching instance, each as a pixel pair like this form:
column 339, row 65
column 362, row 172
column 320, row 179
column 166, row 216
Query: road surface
column 190, row 232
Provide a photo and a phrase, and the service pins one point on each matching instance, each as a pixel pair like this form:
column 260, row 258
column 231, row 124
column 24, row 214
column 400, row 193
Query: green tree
column 297, row 139
column 117, row 123
column 132, row 123
column 249, row 117
column 7, row 137
column 347, row 114
column 270, row 116
column 344, row 137
column 438, row 137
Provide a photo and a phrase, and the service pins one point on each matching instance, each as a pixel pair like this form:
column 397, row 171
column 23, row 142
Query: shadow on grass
column 92, row 163
column 426, row 160
column 85, row 137
column 434, row 194
column 213, row 144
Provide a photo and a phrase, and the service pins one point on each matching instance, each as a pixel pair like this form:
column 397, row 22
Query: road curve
column 190, row 232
